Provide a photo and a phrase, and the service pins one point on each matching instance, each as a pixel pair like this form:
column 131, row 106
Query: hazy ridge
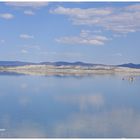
column 60, row 63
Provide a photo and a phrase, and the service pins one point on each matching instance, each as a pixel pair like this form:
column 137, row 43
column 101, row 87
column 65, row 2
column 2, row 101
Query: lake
column 97, row 106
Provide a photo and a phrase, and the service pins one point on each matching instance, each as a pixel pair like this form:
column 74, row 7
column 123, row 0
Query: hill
column 14, row 63
column 62, row 63
column 130, row 65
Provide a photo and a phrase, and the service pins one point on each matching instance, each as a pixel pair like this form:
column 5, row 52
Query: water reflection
column 11, row 73
column 84, row 101
column 103, row 106
column 122, row 123
column 23, row 130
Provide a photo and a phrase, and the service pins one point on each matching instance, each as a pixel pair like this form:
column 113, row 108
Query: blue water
column 63, row 107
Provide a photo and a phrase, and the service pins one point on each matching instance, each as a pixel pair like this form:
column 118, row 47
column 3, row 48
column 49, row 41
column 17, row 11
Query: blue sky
column 96, row 32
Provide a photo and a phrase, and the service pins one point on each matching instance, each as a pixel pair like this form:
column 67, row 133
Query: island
column 67, row 68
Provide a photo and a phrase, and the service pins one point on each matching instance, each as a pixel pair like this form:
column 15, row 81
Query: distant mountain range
column 14, row 63
column 130, row 65
column 60, row 63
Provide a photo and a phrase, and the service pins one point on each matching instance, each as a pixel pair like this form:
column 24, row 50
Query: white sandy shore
column 69, row 70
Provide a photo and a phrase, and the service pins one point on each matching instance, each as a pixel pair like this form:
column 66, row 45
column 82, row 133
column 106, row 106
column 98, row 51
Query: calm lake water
column 69, row 106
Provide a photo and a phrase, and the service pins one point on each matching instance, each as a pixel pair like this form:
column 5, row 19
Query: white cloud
column 28, row 4
column 85, row 33
column 122, row 20
column 28, row 7
column 29, row 12
column 2, row 41
column 79, row 40
column 33, row 46
column 85, row 38
column 24, row 51
column 82, row 13
column 118, row 54
column 7, row 16
column 97, row 31
column 26, row 36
